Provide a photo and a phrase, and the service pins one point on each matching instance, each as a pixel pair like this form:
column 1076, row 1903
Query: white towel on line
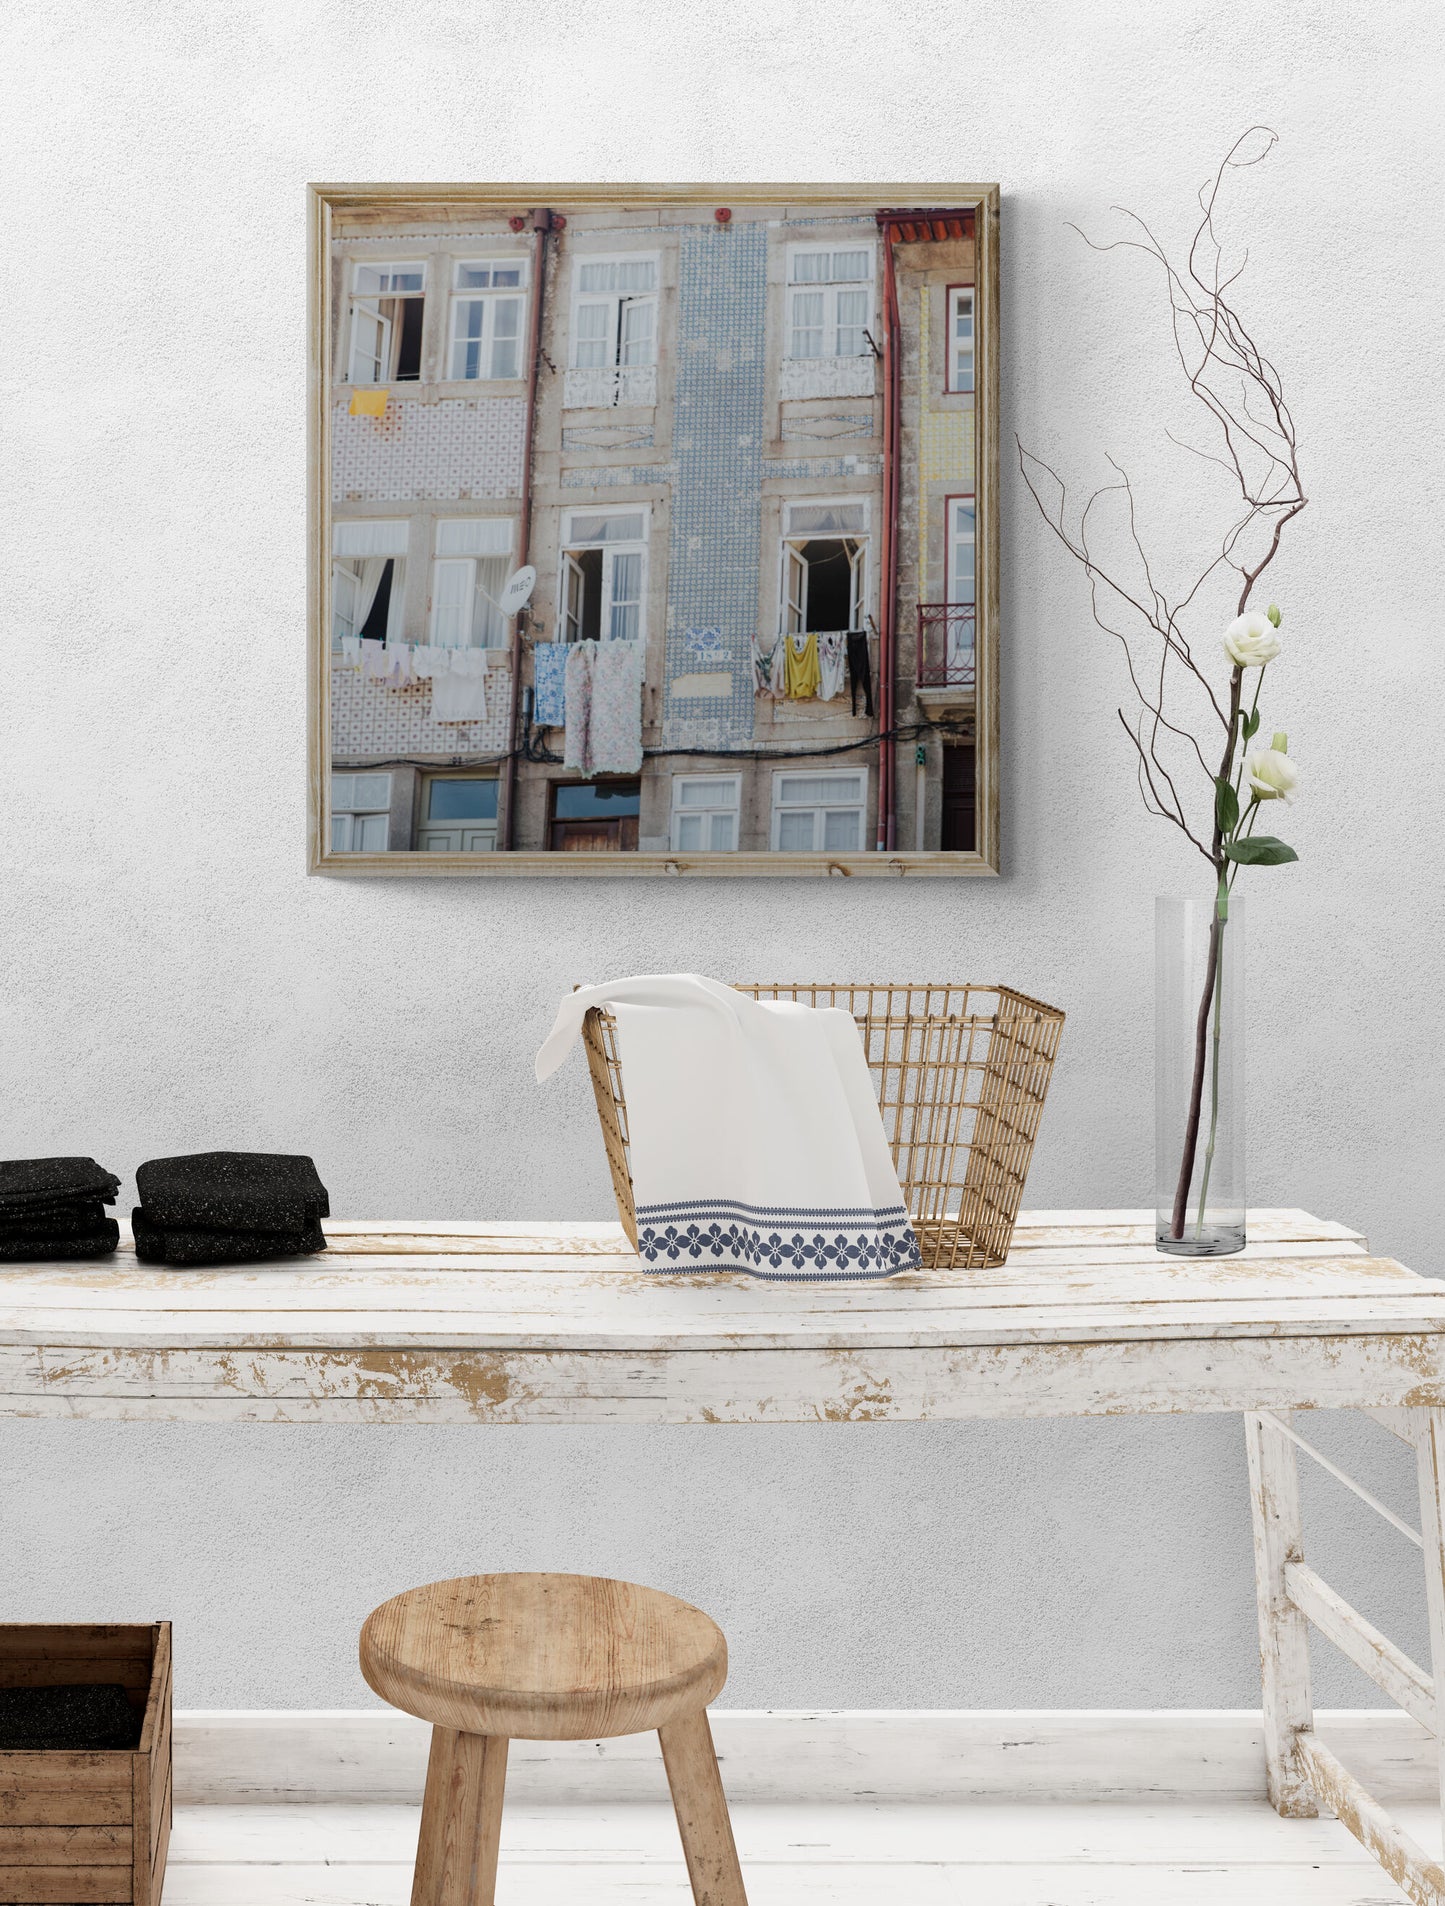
column 755, row 1136
column 461, row 693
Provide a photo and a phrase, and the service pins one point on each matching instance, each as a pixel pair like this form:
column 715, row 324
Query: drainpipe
column 888, row 606
column 542, row 224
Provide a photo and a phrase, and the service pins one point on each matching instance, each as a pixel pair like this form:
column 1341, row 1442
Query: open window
column 614, row 313
column 604, row 569
column 960, row 338
column 488, row 313
column 387, row 308
column 469, row 570
column 830, row 300
column 824, row 566
column 368, row 580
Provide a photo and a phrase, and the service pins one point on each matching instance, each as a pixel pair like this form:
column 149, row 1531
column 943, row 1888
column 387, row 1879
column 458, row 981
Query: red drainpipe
column 888, row 603
column 542, row 223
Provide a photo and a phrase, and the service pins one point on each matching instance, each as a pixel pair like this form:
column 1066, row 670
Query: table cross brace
column 1301, row 1771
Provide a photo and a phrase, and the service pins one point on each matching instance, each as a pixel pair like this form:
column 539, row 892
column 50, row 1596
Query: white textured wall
column 173, row 980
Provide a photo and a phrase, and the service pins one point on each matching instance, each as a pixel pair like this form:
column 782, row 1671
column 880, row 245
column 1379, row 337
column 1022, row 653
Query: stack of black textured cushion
column 228, row 1208
column 55, row 1207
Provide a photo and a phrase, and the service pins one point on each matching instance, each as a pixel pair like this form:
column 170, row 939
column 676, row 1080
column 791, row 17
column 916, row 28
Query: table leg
column 1427, row 1429
column 1283, row 1631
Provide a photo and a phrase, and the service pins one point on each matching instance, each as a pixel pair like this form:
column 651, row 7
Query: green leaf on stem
column 1251, row 725
column 1260, row 850
column 1226, row 805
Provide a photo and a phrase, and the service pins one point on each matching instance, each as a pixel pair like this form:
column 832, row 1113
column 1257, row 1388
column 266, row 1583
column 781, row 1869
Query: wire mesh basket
column 961, row 1074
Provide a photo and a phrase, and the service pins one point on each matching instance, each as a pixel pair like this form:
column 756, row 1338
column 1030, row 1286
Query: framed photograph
column 654, row 529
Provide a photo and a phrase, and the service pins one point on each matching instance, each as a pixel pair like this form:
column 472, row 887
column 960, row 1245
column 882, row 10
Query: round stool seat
column 543, row 1657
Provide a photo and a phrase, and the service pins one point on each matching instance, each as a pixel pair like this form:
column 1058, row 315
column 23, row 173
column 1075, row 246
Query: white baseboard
column 997, row 1754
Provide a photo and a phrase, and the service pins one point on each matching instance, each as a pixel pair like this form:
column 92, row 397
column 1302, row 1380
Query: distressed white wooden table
column 505, row 1324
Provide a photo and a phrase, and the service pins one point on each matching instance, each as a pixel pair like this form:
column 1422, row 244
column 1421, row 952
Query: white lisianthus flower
column 1251, row 639
column 1271, row 775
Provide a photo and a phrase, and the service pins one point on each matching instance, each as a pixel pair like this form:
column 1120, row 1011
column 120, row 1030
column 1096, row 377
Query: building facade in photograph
column 752, row 626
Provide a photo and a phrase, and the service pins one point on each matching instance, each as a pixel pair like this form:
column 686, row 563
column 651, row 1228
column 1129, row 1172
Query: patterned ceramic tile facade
column 460, row 447
column 829, row 428
column 607, row 477
column 811, row 469
column 714, row 565
column 367, row 718
column 607, row 437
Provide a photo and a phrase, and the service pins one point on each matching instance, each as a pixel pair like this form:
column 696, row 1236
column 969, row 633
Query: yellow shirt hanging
column 803, row 675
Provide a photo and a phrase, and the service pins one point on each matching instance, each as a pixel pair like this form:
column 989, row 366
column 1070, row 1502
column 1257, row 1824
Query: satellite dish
column 518, row 591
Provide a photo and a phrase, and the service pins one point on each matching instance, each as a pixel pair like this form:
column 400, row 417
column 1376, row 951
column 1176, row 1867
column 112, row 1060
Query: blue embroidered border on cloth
column 791, row 1245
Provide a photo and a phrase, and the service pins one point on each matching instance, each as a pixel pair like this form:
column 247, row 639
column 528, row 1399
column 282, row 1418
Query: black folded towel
column 228, row 1208
column 55, row 1208
column 232, row 1191
column 171, row 1246
column 28, row 1184
column 37, row 1247
column 73, row 1220
column 85, row 1717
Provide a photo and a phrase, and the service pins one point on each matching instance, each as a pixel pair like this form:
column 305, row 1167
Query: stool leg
column 461, row 1820
column 702, row 1811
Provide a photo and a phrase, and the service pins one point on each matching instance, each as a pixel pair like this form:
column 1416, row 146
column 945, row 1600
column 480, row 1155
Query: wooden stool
column 492, row 1658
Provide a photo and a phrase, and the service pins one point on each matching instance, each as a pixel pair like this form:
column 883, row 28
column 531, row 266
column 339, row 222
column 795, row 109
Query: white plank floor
column 862, row 1854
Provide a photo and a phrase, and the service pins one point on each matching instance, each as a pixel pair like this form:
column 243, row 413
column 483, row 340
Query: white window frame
column 793, row 571
column 621, row 302
column 364, row 307
column 489, row 297
column 950, row 574
column 470, row 588
column 960, row 380
column 348, row 821
column 820, row 809
column 570, row 575
column 829, row 291
column 481, row 833
column 729, row 790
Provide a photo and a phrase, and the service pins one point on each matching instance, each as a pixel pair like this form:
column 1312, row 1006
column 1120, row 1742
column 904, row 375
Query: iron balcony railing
column 946, row 645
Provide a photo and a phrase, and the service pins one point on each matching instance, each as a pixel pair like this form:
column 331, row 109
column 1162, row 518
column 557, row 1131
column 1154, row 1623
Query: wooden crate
column 78, row 1829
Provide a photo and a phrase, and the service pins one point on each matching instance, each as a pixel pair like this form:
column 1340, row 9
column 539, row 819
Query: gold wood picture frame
column 654, row 529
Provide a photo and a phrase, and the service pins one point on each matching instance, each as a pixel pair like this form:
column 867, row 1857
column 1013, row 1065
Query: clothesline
column 458, row 676
column 810, row 666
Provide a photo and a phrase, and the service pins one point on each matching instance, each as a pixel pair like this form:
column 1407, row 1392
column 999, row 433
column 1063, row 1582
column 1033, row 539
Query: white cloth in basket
column 755, row 1136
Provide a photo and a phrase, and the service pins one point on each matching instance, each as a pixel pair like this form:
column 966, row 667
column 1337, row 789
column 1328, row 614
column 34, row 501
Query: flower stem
column 1218, row 1018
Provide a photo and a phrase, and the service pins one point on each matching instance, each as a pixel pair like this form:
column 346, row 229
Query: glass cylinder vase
column 1199, row 1075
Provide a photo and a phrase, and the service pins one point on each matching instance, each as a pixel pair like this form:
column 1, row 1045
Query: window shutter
column 370, row 345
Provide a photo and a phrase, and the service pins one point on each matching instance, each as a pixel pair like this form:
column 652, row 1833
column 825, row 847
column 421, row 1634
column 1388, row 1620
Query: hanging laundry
column 768, row 666
column 801, row 657
column 832, row 652
column 603, row 690
column 860, row 670
column 374, row 661
column 351, row 651
column 549, row 677
column 400, row 673
column 461, row 693
column 369, row 403
column 427, row 662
